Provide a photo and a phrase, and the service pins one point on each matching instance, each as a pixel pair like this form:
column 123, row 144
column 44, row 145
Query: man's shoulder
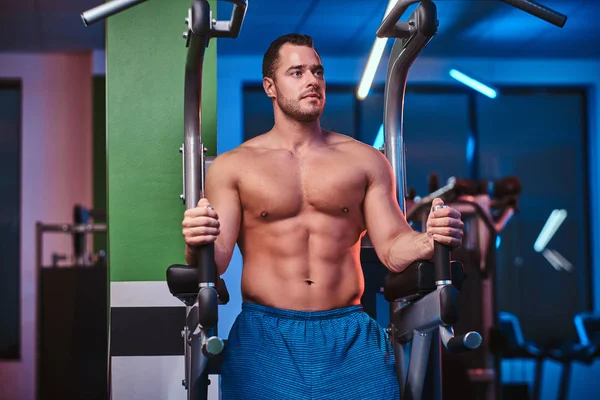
column 226, row 163
column 241, row 152
column 356, row 147
column 371, row 160
column 233, row 160
column 254, row 143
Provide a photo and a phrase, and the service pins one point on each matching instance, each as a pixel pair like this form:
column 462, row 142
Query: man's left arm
column 397, row 245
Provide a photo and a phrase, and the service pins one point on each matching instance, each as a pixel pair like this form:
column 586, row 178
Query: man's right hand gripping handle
column 200, row 230
column 200, row 227
column 200, row 224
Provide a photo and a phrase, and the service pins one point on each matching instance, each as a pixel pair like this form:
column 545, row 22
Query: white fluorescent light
column 562, row 261
column 373, row 62
column 378, row 143
column 371, row 68
column 557, row 260
column 554, row 221
column 473, row 84
column 551, row 259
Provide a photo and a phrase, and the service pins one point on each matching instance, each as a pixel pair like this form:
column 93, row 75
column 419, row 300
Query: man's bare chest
column 282, row 188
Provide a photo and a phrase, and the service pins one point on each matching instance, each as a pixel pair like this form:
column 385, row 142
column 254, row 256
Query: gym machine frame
column 422, row 316
column 424, row 321
column 471, row 201
column 198, row 287
column 202, row 302
column 77, row 230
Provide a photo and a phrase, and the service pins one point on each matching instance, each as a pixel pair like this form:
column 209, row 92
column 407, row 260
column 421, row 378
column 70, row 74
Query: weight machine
column 198, row 287
column 423, row 299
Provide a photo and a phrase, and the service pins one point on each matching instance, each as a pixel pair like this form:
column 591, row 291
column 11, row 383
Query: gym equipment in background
column 423, row 287
column 486, row 208
column 423, row 298
column 72, row 316
column 584, row 352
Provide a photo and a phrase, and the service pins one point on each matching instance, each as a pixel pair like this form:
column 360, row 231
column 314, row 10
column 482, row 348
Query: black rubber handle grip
column 207, row 269
column 442, row 262
column 540, row 11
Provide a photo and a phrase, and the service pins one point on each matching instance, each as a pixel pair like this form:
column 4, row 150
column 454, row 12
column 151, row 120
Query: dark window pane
column 371, row 117
column 10, row 221
column 540, row 138
column 339, row 114
column 258, row 113
column 436, row 132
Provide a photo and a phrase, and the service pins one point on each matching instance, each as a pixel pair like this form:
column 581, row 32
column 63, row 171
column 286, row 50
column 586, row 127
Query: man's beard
column 293, row 109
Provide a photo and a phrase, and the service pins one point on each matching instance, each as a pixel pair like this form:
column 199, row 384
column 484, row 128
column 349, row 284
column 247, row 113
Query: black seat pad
column 183, row 283
column 417, row 280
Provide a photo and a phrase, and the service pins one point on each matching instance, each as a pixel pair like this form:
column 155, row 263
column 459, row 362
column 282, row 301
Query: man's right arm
column 222, row 194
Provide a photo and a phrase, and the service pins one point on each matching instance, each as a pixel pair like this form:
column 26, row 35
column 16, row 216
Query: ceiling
column 470, row 28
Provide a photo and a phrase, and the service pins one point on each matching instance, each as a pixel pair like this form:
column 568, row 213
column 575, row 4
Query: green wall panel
column 145, row 86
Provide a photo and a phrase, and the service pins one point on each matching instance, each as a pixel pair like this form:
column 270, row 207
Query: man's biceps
column 377, row 204
column 230, row 214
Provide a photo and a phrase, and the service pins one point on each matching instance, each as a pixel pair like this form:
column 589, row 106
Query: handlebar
column 231, row 28
column 443, row 271
column 390, row 27
column 540, row 11
column 443, row 278
column 493, row 226
column 465, row 190
column 220, row 29
column 106, row 10
column 461, row 343
column 456, row 187
column 508, row 186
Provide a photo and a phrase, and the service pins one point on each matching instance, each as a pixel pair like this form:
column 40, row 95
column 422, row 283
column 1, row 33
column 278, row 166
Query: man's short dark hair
column 272, row 54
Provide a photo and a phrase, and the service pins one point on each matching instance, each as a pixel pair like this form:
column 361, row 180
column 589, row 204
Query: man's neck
column 295, row 135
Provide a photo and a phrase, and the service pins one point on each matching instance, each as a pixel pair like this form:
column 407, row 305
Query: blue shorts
column 278, row 354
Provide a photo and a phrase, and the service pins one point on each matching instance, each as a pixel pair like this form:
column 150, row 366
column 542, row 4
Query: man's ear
column 269, row 87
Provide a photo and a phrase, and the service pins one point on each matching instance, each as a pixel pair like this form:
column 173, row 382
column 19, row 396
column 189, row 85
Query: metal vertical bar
column 417, row 366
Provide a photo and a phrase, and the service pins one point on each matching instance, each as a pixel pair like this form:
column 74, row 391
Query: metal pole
column 203, row 339
column 105, row 10
column 540, row 11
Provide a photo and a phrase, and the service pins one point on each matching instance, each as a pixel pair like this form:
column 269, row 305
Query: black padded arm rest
column 417, row 280
column 183, row 282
